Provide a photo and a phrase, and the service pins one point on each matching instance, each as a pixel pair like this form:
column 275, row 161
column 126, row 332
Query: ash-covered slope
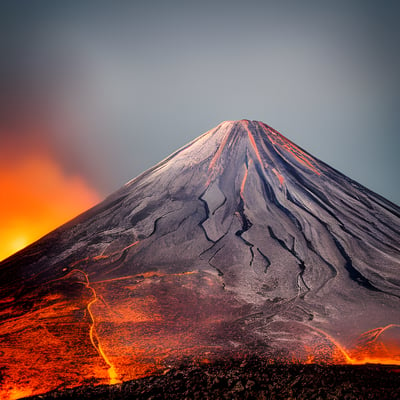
column 239, row 242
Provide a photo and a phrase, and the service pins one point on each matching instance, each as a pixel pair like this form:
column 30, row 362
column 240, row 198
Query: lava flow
column 373, row 348
column 93, row 334
column 369, row 350
column 239, row 243
column 279, row 140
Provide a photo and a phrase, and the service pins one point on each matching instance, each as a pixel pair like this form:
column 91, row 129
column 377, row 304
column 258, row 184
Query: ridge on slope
column 238, row 242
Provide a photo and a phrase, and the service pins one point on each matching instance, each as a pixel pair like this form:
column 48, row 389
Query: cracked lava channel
column 94, row 337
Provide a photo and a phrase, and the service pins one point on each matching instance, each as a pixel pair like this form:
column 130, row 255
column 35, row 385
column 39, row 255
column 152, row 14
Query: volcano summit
column 238, row 243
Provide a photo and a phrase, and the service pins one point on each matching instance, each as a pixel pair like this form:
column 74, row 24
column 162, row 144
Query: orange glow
column 94, row 337
column 106, row 331
column 113, row 330
column 371, row 348
column 36, row 197
column 253, row 142
column 380, row 345
column 278, row 139
column 279, row 176
column 244, row 179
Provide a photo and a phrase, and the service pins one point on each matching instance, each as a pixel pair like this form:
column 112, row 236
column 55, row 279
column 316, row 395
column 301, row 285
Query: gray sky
column 120, row 85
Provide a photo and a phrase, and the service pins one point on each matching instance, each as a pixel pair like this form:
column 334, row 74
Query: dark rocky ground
column 252, row 379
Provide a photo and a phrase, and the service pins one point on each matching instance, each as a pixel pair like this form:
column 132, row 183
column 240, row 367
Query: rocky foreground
column 251, row 379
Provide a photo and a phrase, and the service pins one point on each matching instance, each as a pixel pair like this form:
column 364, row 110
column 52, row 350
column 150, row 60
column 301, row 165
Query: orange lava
column 371, row 348
column 94, row 338
column 244, row 178
column 279, row 176
column 379, row 346
column 279, row 140
column 253, row 142
column 85, row 331
column 37, row 196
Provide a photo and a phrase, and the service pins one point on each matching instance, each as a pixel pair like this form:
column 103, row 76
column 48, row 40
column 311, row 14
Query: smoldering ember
column 239, row 246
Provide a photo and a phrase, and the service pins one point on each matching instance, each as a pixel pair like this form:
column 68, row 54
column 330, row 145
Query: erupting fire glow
column 371, row 348
column 36, row 197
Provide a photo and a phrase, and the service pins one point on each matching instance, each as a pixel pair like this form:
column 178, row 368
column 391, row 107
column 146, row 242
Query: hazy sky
column 113, row 87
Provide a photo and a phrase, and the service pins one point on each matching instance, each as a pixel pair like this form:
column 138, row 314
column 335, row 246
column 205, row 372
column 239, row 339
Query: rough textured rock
column 257, row 379
column 238, row 243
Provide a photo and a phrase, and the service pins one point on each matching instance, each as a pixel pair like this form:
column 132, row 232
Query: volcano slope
column 238, row 243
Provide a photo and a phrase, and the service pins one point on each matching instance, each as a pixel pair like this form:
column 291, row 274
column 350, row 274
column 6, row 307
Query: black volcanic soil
column 252, row 379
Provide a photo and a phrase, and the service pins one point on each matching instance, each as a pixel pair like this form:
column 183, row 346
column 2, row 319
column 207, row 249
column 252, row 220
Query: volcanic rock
column 267, row 381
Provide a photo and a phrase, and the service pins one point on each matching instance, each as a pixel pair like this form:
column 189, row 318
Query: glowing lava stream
column 253, row 142
column 93, row 335
column 279, row 176
column 245, row 178
column 376, row 332
column 365, row 358
column 348, row 359
column 304, row 158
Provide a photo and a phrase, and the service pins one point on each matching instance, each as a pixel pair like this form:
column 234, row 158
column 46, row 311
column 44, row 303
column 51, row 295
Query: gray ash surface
column 251, row 379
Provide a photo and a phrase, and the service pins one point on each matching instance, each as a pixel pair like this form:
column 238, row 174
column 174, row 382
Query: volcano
column 238, row 243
